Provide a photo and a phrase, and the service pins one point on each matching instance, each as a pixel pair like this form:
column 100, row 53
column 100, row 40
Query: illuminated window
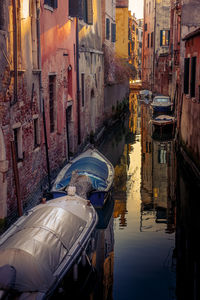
column 164, row 37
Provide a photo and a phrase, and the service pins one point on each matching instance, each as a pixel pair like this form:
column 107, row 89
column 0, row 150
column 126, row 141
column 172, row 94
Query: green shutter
column 161, row 37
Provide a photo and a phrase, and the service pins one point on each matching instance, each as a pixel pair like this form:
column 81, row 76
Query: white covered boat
column 42, row 246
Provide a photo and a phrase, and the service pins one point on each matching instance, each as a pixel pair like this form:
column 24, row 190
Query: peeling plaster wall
column 91, row 64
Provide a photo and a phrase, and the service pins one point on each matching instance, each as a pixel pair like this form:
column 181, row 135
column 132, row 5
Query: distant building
column 156, row 37
column 122, row 28
column 133, row 42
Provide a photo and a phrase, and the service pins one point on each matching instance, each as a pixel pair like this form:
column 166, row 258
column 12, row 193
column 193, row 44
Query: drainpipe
column 42, row 108
column 15, row 49
column 77, row 81
column 39, row 52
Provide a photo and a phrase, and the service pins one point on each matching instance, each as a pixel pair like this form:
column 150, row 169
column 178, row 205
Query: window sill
column 36, row 71
column 36, row 148
column 48, row 7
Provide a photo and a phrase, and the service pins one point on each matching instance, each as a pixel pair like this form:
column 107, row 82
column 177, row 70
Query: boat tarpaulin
column 39, row 244
column 94, row 168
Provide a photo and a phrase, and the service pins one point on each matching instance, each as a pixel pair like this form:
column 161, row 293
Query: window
column 52, row 96
column 148, row 40
column 17, row 132
column 51, row 3
column 2, row 15
column 186, row 75
column 113, row 33
column 83, row 88
column 145, row 27
column 36, row 132
column 129, row 34
column 107, row 28
column 151, row 39
column 164, row 37
column 129, row 49
column 82, row 9
column 193, row 76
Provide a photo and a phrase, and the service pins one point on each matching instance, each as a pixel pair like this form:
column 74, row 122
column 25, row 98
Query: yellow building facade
column 121, row 46
column 133, row 43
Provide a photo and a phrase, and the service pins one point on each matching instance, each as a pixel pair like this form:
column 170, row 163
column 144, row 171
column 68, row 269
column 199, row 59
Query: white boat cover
column 38, row 245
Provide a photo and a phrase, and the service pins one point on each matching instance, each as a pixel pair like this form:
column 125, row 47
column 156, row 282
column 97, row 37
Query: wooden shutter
column 113, row 29
column 107, row 28
column 89, row 12
column 161, row 37
column 55, row 4
column 193, row 77
column 76, row 8
column 186, row 75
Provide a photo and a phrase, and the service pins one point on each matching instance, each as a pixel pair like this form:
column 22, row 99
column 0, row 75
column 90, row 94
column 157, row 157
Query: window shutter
column 55, row 4
column 76, row 8
column 107, row 28
column 193, row 77
column 161, row 37
column 89, row 12
column 113, row 28
column 186, row 75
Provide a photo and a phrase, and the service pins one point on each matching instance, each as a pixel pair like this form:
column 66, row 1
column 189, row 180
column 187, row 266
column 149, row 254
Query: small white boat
column 162, row 104
column 163, row 120
column 93, row 167
column 42, row 246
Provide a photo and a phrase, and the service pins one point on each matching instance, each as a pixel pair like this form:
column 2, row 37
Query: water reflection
column 133, row 257
column 145, row 210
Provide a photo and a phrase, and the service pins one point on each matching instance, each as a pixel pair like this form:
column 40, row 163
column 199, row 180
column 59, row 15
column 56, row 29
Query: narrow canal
column 145, row 245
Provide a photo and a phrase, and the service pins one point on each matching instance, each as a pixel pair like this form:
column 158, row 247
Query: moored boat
column 163, row 120
column 42, row 246
column 92, row 174
column 162, row 104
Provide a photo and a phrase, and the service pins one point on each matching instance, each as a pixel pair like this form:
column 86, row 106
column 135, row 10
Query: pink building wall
column 58, row 44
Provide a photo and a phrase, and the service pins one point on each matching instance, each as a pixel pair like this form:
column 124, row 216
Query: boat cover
column 38, row 246
column 92, row 167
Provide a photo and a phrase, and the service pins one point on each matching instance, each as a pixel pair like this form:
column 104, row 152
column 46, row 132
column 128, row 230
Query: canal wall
column 114, row 95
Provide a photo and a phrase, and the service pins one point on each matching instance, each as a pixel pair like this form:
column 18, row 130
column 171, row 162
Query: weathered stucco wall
column 91, row 73
column 113, row 95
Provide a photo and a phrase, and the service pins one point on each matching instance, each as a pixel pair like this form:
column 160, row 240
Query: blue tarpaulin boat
column 90, row 169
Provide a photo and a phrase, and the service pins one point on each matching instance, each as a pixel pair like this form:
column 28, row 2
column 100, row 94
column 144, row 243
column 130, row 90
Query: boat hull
column 58, row 232
column 93, row 165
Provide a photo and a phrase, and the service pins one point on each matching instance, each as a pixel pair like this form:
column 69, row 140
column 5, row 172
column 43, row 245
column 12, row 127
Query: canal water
column 144, row 246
